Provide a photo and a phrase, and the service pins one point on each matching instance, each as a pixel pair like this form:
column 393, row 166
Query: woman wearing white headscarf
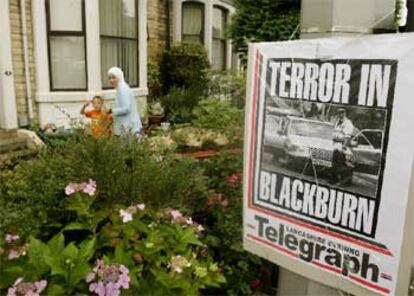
column 124, row 110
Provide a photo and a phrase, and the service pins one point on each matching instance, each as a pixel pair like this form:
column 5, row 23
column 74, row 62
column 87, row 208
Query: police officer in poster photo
column 343, row 132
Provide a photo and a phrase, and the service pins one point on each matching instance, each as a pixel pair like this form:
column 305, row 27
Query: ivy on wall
column 263, row 20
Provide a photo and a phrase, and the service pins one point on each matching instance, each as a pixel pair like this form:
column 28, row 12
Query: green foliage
column 223, row 220
column 263, row 20
column 152, row 245
column 161, row 249
column 179, row 104
column 221, row 117
column 184, row 66
column 31, row 196
column 63, row 236
column 64, row 266
column 228, row 85
column 154, row 83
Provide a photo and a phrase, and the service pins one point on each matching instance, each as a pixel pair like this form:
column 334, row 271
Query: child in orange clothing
column 101, row 124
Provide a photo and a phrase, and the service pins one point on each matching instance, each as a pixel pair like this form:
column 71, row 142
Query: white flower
column 200, row 228
column 140, row 206
column 125, row 215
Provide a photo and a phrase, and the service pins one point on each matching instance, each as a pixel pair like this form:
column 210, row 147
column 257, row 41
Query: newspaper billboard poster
column 328, row 158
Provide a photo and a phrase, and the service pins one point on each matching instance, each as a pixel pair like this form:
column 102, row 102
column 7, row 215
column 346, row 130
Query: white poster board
column 328, row 159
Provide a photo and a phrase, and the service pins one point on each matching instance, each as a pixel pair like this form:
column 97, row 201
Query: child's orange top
column 101, row 124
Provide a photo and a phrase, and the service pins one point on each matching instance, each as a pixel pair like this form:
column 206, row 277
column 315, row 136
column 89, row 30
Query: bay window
column 192, row 22
column 119, row 38
column 219, row 46
column 66, row 44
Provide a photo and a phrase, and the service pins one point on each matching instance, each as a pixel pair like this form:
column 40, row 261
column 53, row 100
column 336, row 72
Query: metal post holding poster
column 328, row 160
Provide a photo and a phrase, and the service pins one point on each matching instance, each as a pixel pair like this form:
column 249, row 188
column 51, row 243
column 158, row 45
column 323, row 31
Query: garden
column 126, row 216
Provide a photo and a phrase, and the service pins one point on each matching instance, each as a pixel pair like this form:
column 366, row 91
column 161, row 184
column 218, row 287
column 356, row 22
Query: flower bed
column 135, row 248
column 110, row 216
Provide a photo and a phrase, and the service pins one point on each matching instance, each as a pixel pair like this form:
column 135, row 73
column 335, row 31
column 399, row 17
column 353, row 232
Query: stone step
column 12, row 144
column 7, row 134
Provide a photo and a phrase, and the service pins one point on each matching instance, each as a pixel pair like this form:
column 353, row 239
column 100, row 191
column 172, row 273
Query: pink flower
column 70, row 189
column 92, row 287
column 126, row 216
column 233, row 179
column 11, row 238
column 123, row 269
column 140, row 206
column 26, row 288
column 98, row 288
column 13, row 254
column 109, row 279
column 90, row 188
column 214, row 199
column 11, row 292
column 111, row 289
column 90, row 277
column 87, row 188
column 176, row 214
column 225, row 203
column 17, row 252
column 124, row 281
column 189, row 221
column 40, row 285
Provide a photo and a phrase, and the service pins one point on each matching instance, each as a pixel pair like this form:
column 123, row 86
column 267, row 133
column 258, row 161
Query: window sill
column 81, row 96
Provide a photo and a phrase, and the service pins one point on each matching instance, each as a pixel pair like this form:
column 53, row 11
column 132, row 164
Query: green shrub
column 222, row 214
column 228, row 85
column 221, row 117
column 158, row 252
column 154, row 83
column 179, row 104
column 185, row 66
column 263, row 20
column 125, row 171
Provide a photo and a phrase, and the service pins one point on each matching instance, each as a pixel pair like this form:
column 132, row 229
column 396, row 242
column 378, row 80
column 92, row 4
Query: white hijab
column 117, row 72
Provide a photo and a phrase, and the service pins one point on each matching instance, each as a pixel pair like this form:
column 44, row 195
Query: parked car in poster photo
column 296, row 142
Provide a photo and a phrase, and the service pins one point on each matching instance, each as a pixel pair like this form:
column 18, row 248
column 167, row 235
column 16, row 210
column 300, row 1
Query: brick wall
column 18, row 57
column 157, row 29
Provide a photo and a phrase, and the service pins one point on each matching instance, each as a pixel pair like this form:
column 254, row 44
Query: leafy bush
column 179, row 104
column 263, row 20
column 125, row 171
column 185, row 66
column 154, row 83
column 221, row 213
column 67, row 232
column 137, row 249
column 221, row 117
column 229, row 86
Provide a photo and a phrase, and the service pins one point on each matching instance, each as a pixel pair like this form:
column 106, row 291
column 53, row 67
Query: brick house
column 54, row 54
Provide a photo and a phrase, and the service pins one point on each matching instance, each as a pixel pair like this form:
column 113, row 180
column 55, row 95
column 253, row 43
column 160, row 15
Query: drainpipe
column 29, row 102
column 168, row 21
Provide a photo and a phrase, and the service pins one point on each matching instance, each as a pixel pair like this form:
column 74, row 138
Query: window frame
column 136, row 39
column 203, row 18
column 226, row 13
column 59, row 33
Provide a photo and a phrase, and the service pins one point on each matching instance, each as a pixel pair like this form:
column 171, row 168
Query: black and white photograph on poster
column 337, row 146
column 325, row 127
